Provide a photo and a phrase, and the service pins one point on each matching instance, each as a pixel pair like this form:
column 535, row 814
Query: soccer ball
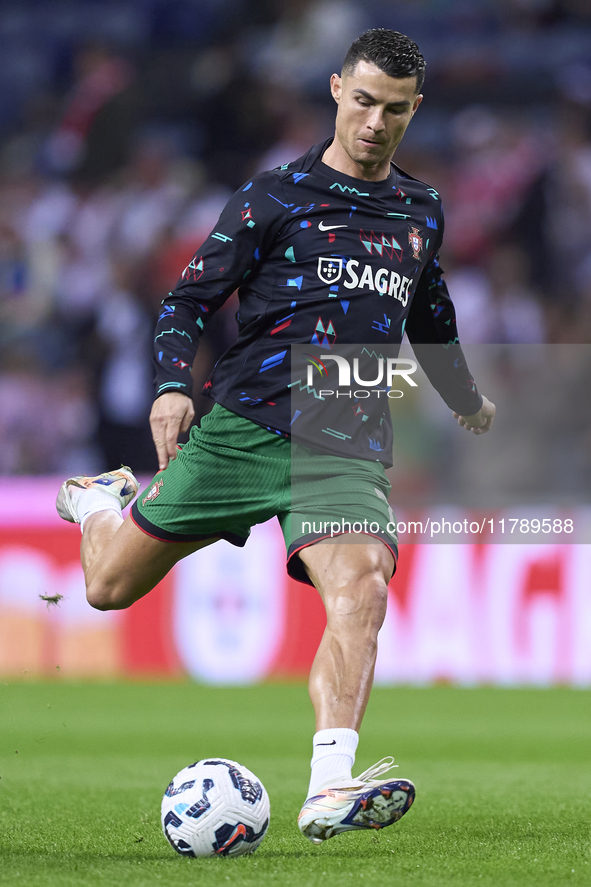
column 215, row 807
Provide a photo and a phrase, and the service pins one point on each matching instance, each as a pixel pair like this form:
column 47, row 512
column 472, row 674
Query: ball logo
column 329, row 270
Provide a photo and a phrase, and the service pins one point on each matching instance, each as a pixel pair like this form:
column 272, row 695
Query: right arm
column 171, row 414
column 233, row 251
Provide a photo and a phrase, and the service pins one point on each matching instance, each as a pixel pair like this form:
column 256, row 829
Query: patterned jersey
column 321, row 260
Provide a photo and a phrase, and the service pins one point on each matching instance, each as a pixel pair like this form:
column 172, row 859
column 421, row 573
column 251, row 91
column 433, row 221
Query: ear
column 336, row 87
column 416, row 104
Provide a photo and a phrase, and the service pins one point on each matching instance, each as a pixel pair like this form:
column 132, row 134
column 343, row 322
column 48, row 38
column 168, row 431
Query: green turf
column 503, row 785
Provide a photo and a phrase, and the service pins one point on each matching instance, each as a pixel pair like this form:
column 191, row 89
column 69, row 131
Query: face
column 373, row 113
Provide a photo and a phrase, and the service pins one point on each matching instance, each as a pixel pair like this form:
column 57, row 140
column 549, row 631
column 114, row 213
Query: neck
column 337, row 158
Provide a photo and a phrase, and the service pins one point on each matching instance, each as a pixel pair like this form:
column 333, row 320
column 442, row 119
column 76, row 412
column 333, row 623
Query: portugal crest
column 329, row 270
column 416, row 242
column 154, row 492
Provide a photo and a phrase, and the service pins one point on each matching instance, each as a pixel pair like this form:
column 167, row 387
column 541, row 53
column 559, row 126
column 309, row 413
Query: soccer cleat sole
column 322, row 817
column 64, row 505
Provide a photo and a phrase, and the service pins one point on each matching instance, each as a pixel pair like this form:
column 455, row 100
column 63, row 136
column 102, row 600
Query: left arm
column 432, row 331
column 480, row 422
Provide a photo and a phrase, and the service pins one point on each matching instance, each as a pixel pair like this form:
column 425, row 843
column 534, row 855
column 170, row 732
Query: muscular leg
column 352, row 579
column 121, row 563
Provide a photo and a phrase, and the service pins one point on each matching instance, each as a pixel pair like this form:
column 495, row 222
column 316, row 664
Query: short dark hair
column 390, row 51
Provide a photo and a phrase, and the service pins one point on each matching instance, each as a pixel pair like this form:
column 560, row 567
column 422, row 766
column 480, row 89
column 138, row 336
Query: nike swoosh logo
column 323, row 227
column 334, row 742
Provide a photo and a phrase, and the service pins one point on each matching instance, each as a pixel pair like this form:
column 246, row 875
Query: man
column 330, row 241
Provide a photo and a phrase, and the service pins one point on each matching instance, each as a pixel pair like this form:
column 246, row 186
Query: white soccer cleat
column 367, row 803
column 120, row 483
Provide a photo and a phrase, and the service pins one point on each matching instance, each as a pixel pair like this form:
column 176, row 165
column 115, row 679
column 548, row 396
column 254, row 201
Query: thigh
column 352, row 580
column 344, row 561
column 338, row 507
column 133, row 563
column 229, row 476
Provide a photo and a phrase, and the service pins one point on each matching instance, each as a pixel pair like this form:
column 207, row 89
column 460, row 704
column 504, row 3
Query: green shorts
column 232, row 474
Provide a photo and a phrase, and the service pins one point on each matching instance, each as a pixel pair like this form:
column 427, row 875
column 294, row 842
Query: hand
column 480, row 422
column 171, row 414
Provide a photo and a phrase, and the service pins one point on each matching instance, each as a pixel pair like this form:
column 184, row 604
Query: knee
column 101, row 596
column 361, row 603
column 373, row 593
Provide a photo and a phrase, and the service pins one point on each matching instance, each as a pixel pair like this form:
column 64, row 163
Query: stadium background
column 124, row 128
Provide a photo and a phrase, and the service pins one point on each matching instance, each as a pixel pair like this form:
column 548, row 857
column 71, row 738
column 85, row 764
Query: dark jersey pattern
column 319, row 258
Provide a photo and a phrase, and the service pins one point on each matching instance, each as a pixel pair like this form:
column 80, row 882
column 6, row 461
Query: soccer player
column 338, row 243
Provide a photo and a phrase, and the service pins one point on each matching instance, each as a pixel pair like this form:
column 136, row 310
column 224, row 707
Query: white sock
column 333, row 758
column 87, row 502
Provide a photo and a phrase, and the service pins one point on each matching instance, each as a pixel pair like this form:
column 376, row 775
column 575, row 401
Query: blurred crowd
column 125, row 126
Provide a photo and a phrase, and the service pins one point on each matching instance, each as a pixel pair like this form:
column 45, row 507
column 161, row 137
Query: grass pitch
column 503, row 785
